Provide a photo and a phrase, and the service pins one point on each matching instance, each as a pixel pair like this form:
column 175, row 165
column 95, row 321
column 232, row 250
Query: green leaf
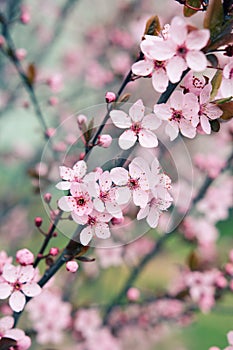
column 190, row 12
column 213, row 19
column 216, row 82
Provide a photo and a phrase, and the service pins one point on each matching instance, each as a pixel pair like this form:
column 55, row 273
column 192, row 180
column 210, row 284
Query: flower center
column 133, row 184
column 80, row 201
column 17, row 285
column 136, row 127
column 104, row 195
column 197, row 83
column 181, row 51
column 91, row 220
column 159, row 64
column 176, row 115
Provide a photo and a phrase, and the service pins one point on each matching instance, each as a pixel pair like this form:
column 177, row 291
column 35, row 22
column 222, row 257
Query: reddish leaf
column 153, row 26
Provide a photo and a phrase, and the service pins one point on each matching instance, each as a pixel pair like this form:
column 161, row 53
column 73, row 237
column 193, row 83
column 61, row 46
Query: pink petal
column 86, row 235
column 147, row 139
column 114, row 209
column 191, row 106
column 119, row 176
column 127, row 139
column 160, row 80
column 105, row 181
column 123, row 195
column 187, row 129
column 196, row 60
column 137, row 111
column 140, row 198
column 151, row 122
column 17, row 301
column 63, row 185
column 205, row 125
column 80, row 169
column 10, row 273
column 205, row 94
column 230, row 337
column 120, row 119
column 77, row 189
column 31, row 289
column 213, row 111
column 163, row 51
column 197, row 39
column 172, row 130
column 5, row 290
column 177, row 100
column 104, row 217
column 26, row 273
column 178, row 30
column 143, row 68
column 102, row 230
column 227, row 87
column 153, row 217
column 6, row 323
column 149, row 44
column 162, row 111
column 175, row 67
column 98, row 205
column 66, row 173
column 64, row 204
column 143, row 212
column 15, row 334
column 82, row 220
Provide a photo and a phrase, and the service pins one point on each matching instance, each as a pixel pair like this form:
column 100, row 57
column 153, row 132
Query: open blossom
column 159, row 198
column 193, row 84
column 226, row 87
column 79, row 202
column 4, row 259
column 134, row 182
column 69, row 175
column 18, row 282
column 208, row 110
column 139, row 127
column 182, row 49
column 181, row 114
column 105, row 196
column 23, row 342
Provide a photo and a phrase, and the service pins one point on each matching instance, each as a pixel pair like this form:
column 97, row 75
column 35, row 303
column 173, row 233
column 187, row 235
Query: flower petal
column 119, row 176
column 114, row 209
column 205, row 125
column 102, row 230
column 187, row 129
column 172, row 130
column 140, row 198
column 143, row 212
column 137, row 111
column 64, row 203
column 123, row 195
column 26, row 273
column 66, row 173
column 80, row 169
column 147, row 139
column 86, row 235
column 162, row 111
column 143, row 68
column 10, row 273
column 127, row 139
column 98, row 205
column 163, row 50
column 197, row 39
column 178, row 30
column 5, row 290
column 81, row 220
column 120, row 119
column 17, row 301
column 15, row 334
column 63, row 185
column 160, row 80
column 105, row 181
column 6, row 323
column 31, row 289
column 196, row 60
column 175, row 67
column 153, row 217
column 151, row 122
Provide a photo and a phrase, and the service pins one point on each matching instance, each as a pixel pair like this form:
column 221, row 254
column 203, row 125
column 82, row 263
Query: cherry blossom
column 24, row 257
column 135, row 182
column 208, row 110
column 18, row 282
column 180, row 114
column 226, row 87
column 194, row 84
column 139, row 127
column 79, row 202
column 23, row 342
column 4, row 259
column 182, row 49
column 69, row 175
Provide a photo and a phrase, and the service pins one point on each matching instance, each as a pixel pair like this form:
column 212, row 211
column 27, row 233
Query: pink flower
column 18, row 282
column 182, row 49
column 87, row 322
column 193, row 84
column 210, row 163
column 96, row 225
column 133, row 294
column 208, row 110
column 104, row 141
column 110, row 97
column 23, row 342
column 4, row 259
column 181, row 114
column 138, row 126
column 75, row 174
column 135, row 181
column 72, row 266
column 79, row 202
column 24, row 257
column 227, row 80
column 105, row 195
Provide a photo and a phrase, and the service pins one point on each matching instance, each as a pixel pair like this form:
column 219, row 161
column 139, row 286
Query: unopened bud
column 24, row 257
column 53, row 251
column 81, row 119
column 110, row 97
column 47, row 197
column 133, row 294
column 117, row 221
column 104, row 140
column 50, row 132
column 53, row 101
column 72, row 266
column 2, row 40
column 81, row 156
column 20, row 54
column 38, row 221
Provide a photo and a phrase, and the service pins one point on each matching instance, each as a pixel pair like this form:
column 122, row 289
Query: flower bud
column 50, row 132
column 81, row 119
column 133, row 294
column 229, row 268
column 82, row 156
column 53, row 101
column 53, row 251
column 20, row 54
column 38, row 221
column 104, row 140
column 47, row 197
column 24, row 257
column 24, row 343
column 2, row 40
column 110, row 97
column 117, row 221
column 25, row 15
column 72, row 266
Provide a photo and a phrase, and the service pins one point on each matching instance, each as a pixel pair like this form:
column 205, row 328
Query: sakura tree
column 116, row 184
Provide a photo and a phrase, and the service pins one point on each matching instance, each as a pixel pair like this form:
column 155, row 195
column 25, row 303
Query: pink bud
column 133, row 294
column 214, row 348
column 117, row 221
column 221, row 282
column 24, row 343
column 53, row 101
column 110, row 97
column 47, row 197
column 71, row 266
column 20, row 54
column 98, row 170
column 81, row 156
column 38, row 221
column 53, row 251
column 26, row 104
column 2, row 40
column 231, row 256
column 104, row 141
column 25, row 16
column 50, row 132
column 81, row 119
column 229, row 268
column 24, row 257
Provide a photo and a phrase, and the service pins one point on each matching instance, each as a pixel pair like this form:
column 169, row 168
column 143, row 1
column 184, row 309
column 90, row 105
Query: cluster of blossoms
column 98, row 197
column 20, row 340
column 18, row 282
